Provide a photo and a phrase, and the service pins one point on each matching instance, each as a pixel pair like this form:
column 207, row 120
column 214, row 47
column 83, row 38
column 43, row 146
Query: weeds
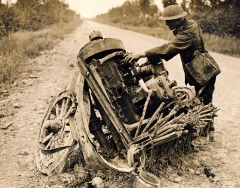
column 171, row 154
column 15, row 49
column 227, row 45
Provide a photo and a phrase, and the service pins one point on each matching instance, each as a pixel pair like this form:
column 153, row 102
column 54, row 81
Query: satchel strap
column 201, row 38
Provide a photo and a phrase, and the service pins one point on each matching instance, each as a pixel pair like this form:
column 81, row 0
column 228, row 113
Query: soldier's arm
column 169, row 50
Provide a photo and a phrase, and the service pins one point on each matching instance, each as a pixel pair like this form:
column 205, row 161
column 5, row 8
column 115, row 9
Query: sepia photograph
column 119, row 93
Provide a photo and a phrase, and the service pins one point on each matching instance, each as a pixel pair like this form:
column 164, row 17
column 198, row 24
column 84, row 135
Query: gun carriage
column 113, row 108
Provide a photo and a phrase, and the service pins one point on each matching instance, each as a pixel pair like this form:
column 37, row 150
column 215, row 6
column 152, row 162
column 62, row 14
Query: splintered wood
column 188, row 117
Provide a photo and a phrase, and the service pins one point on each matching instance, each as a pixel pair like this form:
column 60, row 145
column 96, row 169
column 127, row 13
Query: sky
column 91, row 8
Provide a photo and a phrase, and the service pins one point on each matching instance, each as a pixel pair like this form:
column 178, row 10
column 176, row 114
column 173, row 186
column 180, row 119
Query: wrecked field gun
column 113, row 109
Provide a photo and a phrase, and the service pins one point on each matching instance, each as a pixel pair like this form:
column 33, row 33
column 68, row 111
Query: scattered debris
column 146, row 179
column 2, row 115
column 98, row 182
column 17, row 105
column 178, row 179
column 7, row 125
column 208, row 172
column 191, row 171
column 24, row 81
column 211, row 179
column 23, row 153
column 5, row 93
column 33, row 76
column 197, row 172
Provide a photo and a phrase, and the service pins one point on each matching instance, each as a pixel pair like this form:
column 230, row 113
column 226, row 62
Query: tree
column 219, row 17
column 153, row 9
column 32, row 15
column 185, row 4
column 148, row 7
column 168, row 2
column 9, row 21
column 144, row 6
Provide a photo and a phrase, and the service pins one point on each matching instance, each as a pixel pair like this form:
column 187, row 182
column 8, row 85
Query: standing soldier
column 189, row 44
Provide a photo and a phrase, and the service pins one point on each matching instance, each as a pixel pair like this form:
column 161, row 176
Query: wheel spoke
column 62, row 108
column 48, row 145
column 57, row 110
column 66, row 106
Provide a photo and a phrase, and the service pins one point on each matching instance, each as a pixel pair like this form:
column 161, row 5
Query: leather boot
column 205, row 131
column 211, row 132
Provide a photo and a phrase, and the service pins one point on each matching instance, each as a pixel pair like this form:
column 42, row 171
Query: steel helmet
column 173, row 12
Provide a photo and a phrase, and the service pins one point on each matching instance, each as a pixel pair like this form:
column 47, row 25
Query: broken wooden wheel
column 56, row 146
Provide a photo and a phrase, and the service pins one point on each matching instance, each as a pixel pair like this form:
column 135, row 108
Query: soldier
column 188, row 40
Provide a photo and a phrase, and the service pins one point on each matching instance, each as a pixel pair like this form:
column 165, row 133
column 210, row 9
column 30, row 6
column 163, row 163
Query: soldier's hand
column 131, row 57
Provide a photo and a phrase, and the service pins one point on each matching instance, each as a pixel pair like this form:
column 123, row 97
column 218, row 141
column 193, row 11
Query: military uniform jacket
column 187, row 40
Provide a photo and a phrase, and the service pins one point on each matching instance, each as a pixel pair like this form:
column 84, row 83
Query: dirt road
column 53, row 70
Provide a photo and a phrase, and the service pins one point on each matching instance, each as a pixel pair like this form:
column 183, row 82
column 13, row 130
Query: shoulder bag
column 203, row 67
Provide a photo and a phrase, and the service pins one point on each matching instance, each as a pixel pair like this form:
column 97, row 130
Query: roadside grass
column 159, row 32
column 18, row 47
column 225, row 45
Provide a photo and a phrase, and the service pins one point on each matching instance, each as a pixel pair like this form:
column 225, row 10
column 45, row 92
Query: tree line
column 134, row 12
column 33, row 15
column 218, row 17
